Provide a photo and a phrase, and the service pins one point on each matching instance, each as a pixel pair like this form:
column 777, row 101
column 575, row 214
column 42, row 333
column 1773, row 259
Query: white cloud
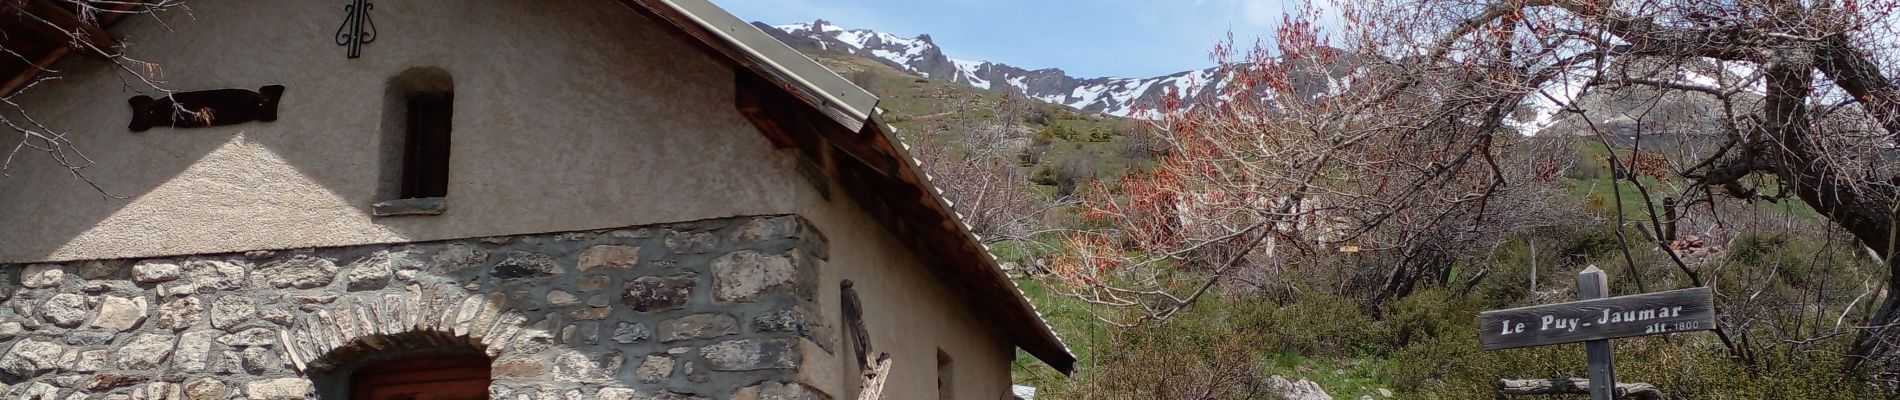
column 1261, row 13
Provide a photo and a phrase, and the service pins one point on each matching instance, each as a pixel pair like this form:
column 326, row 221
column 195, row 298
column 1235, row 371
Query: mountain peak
column 920, row 55
column 1108, row 95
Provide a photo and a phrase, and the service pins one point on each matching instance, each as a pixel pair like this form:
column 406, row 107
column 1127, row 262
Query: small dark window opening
column 425, row 150
column 946, row 379
column 418, row 111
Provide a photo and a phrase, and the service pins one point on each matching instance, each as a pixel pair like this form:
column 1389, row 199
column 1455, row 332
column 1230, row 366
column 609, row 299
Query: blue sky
column 1087, row 38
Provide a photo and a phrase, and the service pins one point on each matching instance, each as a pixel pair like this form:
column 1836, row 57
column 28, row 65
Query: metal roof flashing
column 830, row 87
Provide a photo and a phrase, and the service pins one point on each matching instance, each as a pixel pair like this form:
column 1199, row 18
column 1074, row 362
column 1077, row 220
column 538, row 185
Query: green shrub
column 1198, row 353
column 1591, row 242
column 1755, row 247
column 1045, row 175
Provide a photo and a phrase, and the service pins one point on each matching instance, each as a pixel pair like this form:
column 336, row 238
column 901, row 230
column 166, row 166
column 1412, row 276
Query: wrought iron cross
column 357, row 28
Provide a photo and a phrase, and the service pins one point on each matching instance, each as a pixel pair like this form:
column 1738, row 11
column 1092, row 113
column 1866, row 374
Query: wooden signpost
column 1597, row 318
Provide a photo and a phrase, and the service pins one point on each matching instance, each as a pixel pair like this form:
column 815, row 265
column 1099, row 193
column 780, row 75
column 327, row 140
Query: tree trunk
column 1863, row 209
column 1870, row 343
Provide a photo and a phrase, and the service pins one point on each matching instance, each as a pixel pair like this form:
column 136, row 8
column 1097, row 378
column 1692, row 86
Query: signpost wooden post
column 1592, row 284
column 1595, row 319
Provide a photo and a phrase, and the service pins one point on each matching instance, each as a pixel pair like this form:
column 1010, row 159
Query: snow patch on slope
column 967, row 72
column 1546, row 103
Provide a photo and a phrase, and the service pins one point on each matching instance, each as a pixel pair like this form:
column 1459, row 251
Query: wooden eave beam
column 779, row 116
column 764, row 116
column 49, row 21
column 59, row 47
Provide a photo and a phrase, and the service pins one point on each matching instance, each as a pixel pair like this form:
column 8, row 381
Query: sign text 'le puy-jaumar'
column 1657, row 313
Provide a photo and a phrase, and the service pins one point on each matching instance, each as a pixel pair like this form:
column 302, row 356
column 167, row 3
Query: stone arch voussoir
column 420, row 318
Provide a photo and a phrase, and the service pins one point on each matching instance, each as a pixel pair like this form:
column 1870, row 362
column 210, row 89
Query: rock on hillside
column 1297, row 389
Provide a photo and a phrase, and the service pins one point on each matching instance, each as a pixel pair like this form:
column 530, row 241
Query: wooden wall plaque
column 206, row 108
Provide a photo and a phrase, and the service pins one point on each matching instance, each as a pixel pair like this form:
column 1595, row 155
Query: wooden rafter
column 46, row 21
column 42, row 32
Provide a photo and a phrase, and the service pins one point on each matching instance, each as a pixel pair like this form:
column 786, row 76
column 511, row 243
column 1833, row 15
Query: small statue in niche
column 206, row 108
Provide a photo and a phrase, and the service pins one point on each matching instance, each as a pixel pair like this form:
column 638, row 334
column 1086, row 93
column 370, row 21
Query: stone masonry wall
column 705, row 309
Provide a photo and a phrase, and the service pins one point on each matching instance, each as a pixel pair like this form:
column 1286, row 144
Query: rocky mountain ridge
column 920, row 55
column 1133, row 97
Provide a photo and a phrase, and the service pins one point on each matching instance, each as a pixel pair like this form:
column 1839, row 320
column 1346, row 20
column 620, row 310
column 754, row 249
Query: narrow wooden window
column 946, row 378
column 435, row 377
column 425, row 153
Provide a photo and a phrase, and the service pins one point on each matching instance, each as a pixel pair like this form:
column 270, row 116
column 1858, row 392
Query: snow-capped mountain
column 920, row 55
column 1126, row 97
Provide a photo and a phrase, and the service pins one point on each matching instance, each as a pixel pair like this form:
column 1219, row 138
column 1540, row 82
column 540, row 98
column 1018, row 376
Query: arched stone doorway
column 416, row 365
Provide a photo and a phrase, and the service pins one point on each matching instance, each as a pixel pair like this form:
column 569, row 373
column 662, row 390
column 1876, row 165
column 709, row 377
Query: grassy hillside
column 1042, row 136
column 1422, row 345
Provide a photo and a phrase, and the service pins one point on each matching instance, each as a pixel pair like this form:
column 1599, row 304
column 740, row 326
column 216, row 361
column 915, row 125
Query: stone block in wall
column 259, row 361
column 520, row 367
column 119, row 314
column 653, row 293
column 632, row 394
column 210, row 276
column 697, row 326
column 656, row 368
column 195, row 350
column 778, row 391
column 229, row 312
column 178, row 314
column 751, row 354
column 301, row 271
column 369, row 273
column 635, row 332
column 523, row 264
column 41, row 276
column 279, row 389
column 206, row 388
column 65, row 310
column 29, row 358
column 155, row 272
column 745, row 275
column 145, row 351
column 456, row 257
column 798, row 320
column 609, row 256
column 100, row 269
column 691, row 242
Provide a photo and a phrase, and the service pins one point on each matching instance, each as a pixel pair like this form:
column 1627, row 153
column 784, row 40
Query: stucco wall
column 568, row 116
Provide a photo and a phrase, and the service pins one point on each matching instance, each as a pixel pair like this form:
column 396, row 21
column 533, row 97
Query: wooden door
column 461, row 377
